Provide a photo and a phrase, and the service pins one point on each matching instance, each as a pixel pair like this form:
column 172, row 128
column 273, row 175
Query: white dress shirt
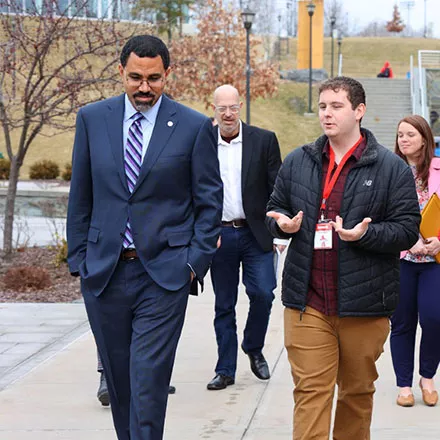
column 147, row 122
column 230, row 158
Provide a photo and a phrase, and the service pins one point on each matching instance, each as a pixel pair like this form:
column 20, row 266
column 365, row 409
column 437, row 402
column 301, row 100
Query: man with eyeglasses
column 249, row 161
column 143, row 221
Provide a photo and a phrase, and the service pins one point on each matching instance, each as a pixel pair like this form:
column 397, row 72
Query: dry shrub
column 24, row 278
column 61, row 255
column 5, row 166
column 67, row 172
column 45, row 170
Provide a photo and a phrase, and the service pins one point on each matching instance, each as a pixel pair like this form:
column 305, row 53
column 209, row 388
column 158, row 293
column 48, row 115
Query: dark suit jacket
column 261, row 160
column 175, row 207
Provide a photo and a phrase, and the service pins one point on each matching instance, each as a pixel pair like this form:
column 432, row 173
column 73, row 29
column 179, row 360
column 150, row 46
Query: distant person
column 143, row 221
column 249, row 161
column 386, row 71
column 419, row 274
column 350, row 206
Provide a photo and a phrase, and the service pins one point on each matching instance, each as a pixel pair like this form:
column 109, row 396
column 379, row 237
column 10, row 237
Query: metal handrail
column 411, row 79
column 426, row 59
column 421, row 87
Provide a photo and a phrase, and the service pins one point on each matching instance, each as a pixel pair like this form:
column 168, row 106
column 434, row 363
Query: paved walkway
column 32, row 333
column 49, row 382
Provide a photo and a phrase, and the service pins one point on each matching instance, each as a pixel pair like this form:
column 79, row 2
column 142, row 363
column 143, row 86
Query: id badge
column 323, row 236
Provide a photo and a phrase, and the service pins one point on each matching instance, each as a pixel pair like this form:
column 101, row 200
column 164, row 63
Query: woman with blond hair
column 419, row 274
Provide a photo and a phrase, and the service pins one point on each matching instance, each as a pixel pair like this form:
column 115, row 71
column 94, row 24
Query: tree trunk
column 180, row 21
column 10, row 206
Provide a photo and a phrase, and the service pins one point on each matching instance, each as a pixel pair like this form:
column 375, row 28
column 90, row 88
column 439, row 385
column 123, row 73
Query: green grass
column 276, row 114
column 57, row 148
column 363, row 57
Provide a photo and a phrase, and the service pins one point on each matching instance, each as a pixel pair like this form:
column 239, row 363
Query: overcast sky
column 363, row 12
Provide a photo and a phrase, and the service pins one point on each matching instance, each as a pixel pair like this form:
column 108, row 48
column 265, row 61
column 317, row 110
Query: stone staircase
column 388, row 101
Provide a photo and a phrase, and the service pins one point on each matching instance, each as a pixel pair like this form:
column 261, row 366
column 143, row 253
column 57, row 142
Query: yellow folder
column 430, row 225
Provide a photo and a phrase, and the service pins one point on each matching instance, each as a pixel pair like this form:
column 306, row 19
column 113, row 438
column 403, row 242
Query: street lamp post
column 248, row 17
column 339, row 53
column 332, row 30
column 425, row 28
column 279, row 38
column 289, row 24
column 310, row 10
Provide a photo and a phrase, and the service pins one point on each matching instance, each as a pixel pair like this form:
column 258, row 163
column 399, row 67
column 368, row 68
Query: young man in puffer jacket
column 350, row 206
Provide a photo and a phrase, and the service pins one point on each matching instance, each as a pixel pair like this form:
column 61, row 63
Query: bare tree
column 334, row 10
column 265, row 24
column 51, row 63
column 374, row 29
column 22, row 231
column 167, row 13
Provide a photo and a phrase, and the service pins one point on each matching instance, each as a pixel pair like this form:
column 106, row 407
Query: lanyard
column 330, row 183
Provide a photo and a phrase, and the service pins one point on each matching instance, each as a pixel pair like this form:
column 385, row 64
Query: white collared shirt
column 230, row 158
column 147, row 122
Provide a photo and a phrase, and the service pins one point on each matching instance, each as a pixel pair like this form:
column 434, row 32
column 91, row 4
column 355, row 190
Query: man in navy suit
column 143, row 221
column 249, row 162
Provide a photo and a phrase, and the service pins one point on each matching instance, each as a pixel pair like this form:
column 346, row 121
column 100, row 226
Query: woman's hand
column 419, row 248
column 432, row 246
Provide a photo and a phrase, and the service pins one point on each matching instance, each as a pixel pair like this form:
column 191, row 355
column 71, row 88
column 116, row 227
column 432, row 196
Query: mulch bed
column 64, row 288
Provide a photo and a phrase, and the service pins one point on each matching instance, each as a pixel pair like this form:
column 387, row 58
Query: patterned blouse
column 423, row 196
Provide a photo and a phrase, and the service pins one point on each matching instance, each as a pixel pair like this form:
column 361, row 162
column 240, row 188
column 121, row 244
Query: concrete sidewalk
column 32, row 333
column 56, row 399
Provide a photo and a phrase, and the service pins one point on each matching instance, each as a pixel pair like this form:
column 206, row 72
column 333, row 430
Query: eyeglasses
column 234, row 109
column 137, row 81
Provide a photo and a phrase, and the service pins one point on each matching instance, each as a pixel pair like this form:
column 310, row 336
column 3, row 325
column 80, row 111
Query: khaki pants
column 325, row 350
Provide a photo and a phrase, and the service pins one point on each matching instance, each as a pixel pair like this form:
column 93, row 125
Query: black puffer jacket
column 381, row 186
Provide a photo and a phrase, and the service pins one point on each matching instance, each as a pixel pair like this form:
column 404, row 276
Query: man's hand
column 353, row 234
column 219, row 241
column 286, row 224
column 432, row 246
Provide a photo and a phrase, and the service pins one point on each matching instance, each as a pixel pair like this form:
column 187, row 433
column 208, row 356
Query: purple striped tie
column 133, row 162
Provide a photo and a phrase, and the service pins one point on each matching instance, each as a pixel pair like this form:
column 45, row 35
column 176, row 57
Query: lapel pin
column 170, row 123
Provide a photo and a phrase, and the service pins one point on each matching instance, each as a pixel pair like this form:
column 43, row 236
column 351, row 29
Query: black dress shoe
column 259, row 365
column 102, row 393
column 171, row 389
column 220, row 382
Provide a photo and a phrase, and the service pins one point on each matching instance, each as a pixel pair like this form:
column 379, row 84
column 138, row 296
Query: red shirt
column 323, row 286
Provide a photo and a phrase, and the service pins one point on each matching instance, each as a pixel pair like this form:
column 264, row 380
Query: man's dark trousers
column 137, row 323
column 238, row 245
